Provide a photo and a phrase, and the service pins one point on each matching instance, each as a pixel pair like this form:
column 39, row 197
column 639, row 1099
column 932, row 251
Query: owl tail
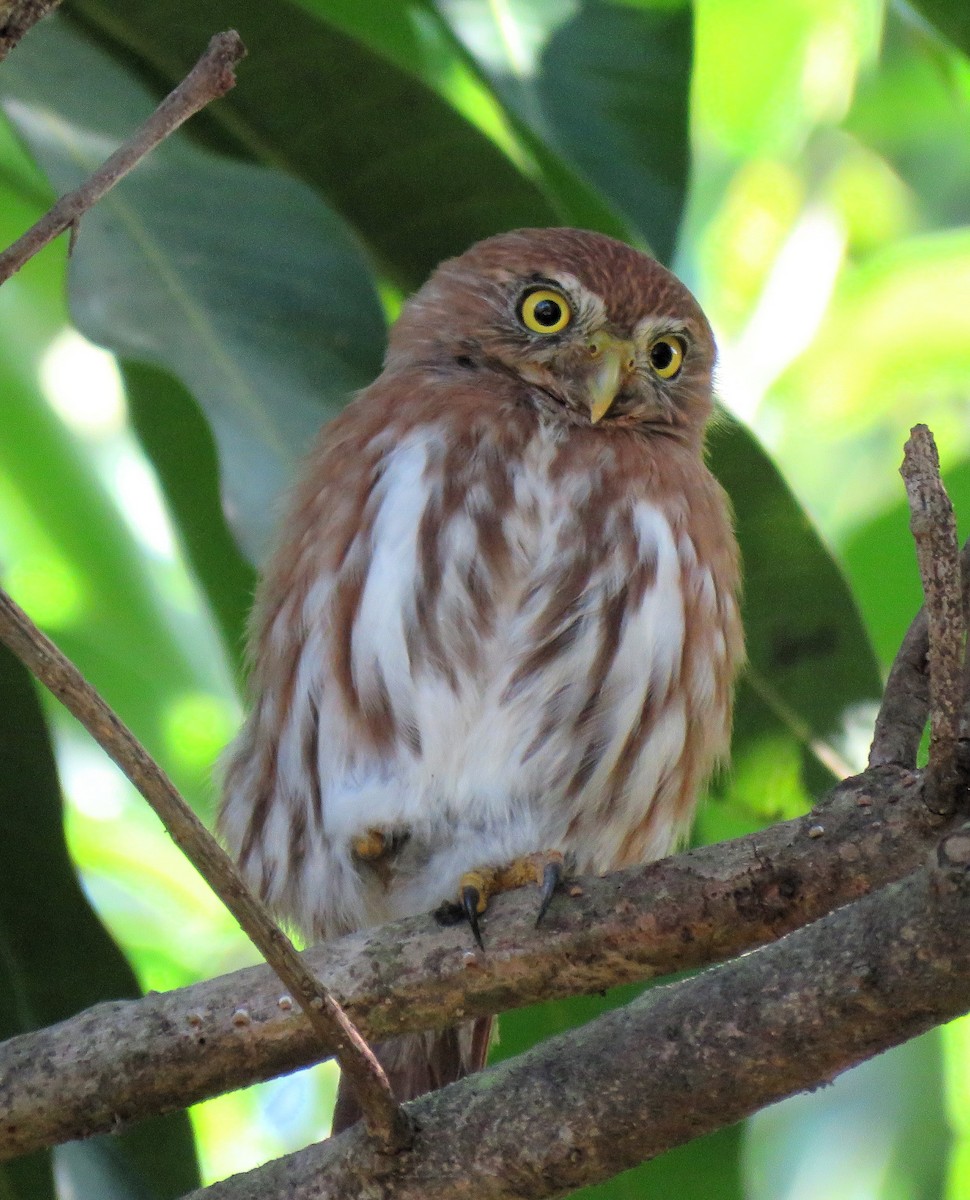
column 416, row 1063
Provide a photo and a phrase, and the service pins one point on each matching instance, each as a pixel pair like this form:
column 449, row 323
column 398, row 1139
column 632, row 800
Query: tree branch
column 934, row 531
column 679, row 1062
column 211, row 77
column 383, row 1115
column 123, row 1061
column 19, row 16
column 906, row 701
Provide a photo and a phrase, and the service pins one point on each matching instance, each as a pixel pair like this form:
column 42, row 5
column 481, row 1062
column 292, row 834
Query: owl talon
column 471, row 903
column 552, row 875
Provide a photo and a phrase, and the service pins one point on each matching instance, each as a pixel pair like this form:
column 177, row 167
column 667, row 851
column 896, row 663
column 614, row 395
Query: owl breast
column 517, row 648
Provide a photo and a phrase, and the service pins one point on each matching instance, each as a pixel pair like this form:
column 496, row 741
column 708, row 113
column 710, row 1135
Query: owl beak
column 615, row 361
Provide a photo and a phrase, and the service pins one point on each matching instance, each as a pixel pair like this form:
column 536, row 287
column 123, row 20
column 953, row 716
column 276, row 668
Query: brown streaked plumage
column 501, row 622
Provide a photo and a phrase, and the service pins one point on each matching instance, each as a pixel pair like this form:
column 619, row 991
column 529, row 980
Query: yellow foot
column 372, row 845
column 476, row 888
column 377, row 844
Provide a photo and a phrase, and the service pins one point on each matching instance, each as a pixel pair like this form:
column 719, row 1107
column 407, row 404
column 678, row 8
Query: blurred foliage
column 804, row 167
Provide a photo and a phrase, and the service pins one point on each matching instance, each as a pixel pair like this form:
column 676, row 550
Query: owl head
column 599, row 333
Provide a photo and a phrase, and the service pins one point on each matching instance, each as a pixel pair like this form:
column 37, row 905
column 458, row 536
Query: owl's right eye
column 545, row 311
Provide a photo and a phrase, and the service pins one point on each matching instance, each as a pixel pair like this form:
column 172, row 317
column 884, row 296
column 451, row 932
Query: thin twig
column 211, row 77
column 17, row 17
column 905, row 703
column 934, row 531
column 384, row 1117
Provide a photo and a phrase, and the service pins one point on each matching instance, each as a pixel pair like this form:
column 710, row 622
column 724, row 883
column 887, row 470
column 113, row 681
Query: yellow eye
column 545, row 311
column 667, row 356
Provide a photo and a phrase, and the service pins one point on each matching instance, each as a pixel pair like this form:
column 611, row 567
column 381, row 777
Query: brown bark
column 17, row 17
column 121, row 1062
column 679, row 1062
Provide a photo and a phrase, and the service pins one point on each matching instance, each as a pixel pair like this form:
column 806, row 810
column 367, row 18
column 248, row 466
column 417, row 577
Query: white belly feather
column 488, row 770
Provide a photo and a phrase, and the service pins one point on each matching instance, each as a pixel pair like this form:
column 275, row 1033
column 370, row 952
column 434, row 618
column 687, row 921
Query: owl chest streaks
column 488, row 634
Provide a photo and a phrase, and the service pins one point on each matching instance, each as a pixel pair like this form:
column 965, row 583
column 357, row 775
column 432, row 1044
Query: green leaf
column 951, row 18
column 269, row 317
column 913, row 111
column 177, row 439
column 417, row 180
column 56, row 956
column 607, row 86
column 810, row 663
column 615, row 88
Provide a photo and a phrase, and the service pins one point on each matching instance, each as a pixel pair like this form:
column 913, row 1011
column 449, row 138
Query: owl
column 500, row 629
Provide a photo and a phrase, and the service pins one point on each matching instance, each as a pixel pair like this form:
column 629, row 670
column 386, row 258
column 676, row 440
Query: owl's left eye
column 667, row 356
column 545, row 311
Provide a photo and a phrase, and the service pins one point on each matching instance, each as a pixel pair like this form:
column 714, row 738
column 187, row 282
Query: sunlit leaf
column 893, row 350
column 179, row 442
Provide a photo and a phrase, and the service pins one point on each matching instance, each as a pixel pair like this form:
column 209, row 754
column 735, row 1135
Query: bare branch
column 19, row 16
column 211, row 77
column 383, row 1115
column 123, row 1061
column 934, row 531
column 679, row 1062
column 906, row 702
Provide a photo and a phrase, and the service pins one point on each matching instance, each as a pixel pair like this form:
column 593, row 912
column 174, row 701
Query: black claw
column 551, row 879
column 469, row 902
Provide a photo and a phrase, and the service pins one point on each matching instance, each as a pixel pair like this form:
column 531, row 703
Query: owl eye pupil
column 547, row 312
column 661, row 355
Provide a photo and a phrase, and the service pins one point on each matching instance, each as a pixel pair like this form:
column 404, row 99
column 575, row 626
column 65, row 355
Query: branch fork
column 936, row 643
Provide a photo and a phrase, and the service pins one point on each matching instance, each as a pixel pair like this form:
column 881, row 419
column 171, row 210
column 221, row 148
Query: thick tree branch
column 383, row 1115
column 934, row 531
column 211, row 77
column 123, row 1061
column 679, row 1062
column 19, row 16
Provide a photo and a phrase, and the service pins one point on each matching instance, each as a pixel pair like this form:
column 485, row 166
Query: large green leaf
column 605, row 84
column 268, row 315
column 615, row 88
column 72, row 558
column 951, row 18
column 176, row 437
column 55, row 956
column 417, row 180
column 810, row 661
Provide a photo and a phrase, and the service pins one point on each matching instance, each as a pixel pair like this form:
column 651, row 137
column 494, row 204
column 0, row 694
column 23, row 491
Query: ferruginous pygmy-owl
column 501, row 625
